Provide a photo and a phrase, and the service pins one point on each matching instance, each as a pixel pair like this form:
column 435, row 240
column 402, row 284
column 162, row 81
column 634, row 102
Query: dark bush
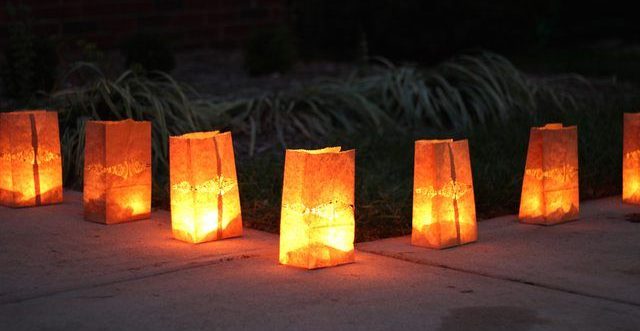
column 429, row 31
column 148, row 52
column 30, row 61
column 269, row 50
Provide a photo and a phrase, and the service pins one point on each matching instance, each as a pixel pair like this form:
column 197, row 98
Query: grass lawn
column 384, row 165
column 380, row 112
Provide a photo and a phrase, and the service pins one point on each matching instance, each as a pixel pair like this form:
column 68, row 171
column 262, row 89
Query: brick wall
column 187, row 23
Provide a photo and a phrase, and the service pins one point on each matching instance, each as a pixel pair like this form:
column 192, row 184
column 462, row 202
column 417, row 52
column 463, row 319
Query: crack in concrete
column 179, row 268
column 499, row 277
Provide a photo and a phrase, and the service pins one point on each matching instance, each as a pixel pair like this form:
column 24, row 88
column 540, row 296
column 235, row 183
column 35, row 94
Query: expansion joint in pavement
column 180, row 268
column 502, row 278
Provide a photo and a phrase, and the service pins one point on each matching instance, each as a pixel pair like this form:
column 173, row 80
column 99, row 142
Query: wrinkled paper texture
column 631, row 159
column 550, row 187
column 317, row 227
column 205, row 201
column 443, row 201
column 30, row 161
column 117, row 171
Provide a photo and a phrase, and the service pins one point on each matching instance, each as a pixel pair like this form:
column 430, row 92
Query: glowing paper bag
column 117, row 171
column 30, row 162
column 550, row 185
column 444, row 212
column 317, row 225
column 205, row 201
column 631, row 159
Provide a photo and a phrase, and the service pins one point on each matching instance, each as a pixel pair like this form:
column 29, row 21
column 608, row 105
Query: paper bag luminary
column 550, row 185
column 631, row 159
column 317, row 225
column 30, row 162
column 444, row 212
column 117, row 171
column 205, row 201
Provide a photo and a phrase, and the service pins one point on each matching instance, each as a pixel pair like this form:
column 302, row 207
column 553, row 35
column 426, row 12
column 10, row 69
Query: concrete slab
column 60, row 272
column 51, row 249
column 598, row 255
column 375, row 293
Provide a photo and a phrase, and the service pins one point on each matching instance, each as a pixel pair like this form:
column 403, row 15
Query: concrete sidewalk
column 60, row 272
column 597, row 255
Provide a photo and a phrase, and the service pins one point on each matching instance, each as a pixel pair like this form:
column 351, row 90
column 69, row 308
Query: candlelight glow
column 136, row 204
column 205, row 201
column 550, row 186
column 30, row 162
column 317, row 226
column 443, row 202
column 117, row 171
column 631, row 159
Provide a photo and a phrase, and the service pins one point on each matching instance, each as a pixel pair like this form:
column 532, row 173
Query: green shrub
column 148, row 52
column 463, row 92
column 31, row 61
column 482, row 97
column 172, row 108
column 269, row 50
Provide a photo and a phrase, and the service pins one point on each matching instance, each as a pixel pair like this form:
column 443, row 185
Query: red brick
column 118, row 25
column 115, row 10
column 201, row 4
column 47, row 29
column 204, row 22
column 60, row 12
column 188, row 20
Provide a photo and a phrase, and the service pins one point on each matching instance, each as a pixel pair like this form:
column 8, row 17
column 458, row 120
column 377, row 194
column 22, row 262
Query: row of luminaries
column 317, row 219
